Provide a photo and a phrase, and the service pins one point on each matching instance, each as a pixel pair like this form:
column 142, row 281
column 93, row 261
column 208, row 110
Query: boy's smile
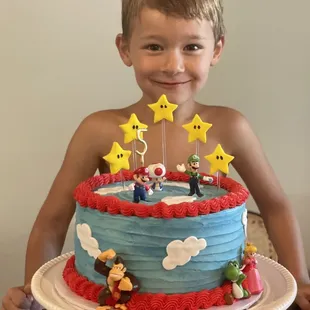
column 170, row 55
column 171, row 84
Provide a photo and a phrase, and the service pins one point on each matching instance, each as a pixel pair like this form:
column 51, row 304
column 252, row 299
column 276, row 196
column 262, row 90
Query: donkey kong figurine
column 120, row 283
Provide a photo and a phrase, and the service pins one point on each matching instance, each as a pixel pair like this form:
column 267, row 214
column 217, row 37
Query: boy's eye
column 193, row 47
column 154, row 47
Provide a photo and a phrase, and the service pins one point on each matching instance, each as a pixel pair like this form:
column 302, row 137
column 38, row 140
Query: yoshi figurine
column 233, row 273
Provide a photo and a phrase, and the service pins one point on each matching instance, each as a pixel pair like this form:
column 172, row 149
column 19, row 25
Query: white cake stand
column 51, row 291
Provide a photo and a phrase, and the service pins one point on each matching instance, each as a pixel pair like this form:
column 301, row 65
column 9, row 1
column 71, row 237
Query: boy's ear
column 218, row 51
column 123, row 48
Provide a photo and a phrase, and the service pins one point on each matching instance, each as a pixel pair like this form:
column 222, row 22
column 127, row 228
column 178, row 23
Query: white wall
column 58, row 63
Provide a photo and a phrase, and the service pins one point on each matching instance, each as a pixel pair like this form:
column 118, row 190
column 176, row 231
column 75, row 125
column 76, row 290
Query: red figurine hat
column 142, row 171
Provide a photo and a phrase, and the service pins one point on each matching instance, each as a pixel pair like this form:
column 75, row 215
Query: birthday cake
column 152, row 239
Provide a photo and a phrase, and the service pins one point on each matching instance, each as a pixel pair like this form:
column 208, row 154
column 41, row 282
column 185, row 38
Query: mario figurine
column 140, row 188
column 193, row 166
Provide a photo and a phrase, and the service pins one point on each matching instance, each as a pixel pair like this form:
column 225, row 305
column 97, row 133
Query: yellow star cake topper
column 219, row 160
column 118, row 158
column 197, row 129
column 130, row 128
column 163, row 109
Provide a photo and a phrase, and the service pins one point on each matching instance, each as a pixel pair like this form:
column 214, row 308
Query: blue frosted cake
column 155, row 240
column 175, row 246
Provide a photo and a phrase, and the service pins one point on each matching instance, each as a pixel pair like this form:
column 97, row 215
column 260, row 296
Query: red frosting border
column 84, row 195
column 141, row 301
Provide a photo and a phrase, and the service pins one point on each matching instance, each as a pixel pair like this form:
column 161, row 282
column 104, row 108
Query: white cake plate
column 51, row 291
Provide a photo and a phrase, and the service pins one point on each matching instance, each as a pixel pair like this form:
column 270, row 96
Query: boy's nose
column 173, row 63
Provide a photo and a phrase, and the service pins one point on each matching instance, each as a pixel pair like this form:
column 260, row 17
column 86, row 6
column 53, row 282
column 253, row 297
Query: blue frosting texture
column 142, row 243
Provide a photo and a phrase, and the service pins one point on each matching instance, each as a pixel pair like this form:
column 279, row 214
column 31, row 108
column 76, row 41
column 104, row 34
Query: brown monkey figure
column 120, row 283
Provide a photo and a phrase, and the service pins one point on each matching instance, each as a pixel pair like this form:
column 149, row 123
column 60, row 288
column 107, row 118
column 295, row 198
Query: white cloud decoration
column 110, row 190
column 170, row 200
column 245, row 221
column 88, row 243
column 180, row 253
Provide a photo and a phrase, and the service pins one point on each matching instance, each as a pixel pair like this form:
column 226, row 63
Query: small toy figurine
column 120, row 283
column 233, row 273
column 140, row 188
column 193, row 166
column 156, row 173
column 250, row 270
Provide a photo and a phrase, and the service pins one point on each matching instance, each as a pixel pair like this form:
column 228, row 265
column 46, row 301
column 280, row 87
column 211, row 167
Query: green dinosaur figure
column 233, row 273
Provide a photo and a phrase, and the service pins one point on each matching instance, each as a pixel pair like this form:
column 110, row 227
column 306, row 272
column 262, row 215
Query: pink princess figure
column 255, row 285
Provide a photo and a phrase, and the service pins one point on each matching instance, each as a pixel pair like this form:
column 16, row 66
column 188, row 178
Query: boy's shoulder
column 229, row 125
column 104, row 120
column 222, row 116
column 98, row 130
column 108, row 116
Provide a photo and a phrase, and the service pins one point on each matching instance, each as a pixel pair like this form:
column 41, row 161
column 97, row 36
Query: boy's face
column 169, row 55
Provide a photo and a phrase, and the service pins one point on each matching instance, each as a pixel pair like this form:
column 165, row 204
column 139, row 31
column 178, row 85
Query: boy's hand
column 303, row 296
column 20, row 298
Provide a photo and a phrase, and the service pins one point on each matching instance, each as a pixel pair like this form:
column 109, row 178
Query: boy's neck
column 183, row 114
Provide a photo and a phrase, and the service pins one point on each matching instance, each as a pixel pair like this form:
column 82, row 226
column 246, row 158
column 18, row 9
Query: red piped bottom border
column 142, row 301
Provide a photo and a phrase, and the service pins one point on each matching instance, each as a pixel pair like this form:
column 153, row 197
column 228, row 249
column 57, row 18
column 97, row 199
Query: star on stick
column 197, row 129
column 118, row 158
column 163, row 109
column 130, row 128
column 219, row 160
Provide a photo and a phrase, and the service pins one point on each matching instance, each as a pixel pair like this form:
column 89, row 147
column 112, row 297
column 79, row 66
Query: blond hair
column 212, row 10
column 250, row 248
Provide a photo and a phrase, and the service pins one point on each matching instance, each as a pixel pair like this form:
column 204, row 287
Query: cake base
column 51, row 291
column 204, row 299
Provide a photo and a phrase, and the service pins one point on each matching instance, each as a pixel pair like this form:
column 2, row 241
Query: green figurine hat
column 193, row 159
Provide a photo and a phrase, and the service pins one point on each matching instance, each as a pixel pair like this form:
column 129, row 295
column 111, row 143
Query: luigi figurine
column 193, row 166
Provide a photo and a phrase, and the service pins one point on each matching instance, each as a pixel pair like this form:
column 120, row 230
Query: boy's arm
column 277, row 213
column 50, row 228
